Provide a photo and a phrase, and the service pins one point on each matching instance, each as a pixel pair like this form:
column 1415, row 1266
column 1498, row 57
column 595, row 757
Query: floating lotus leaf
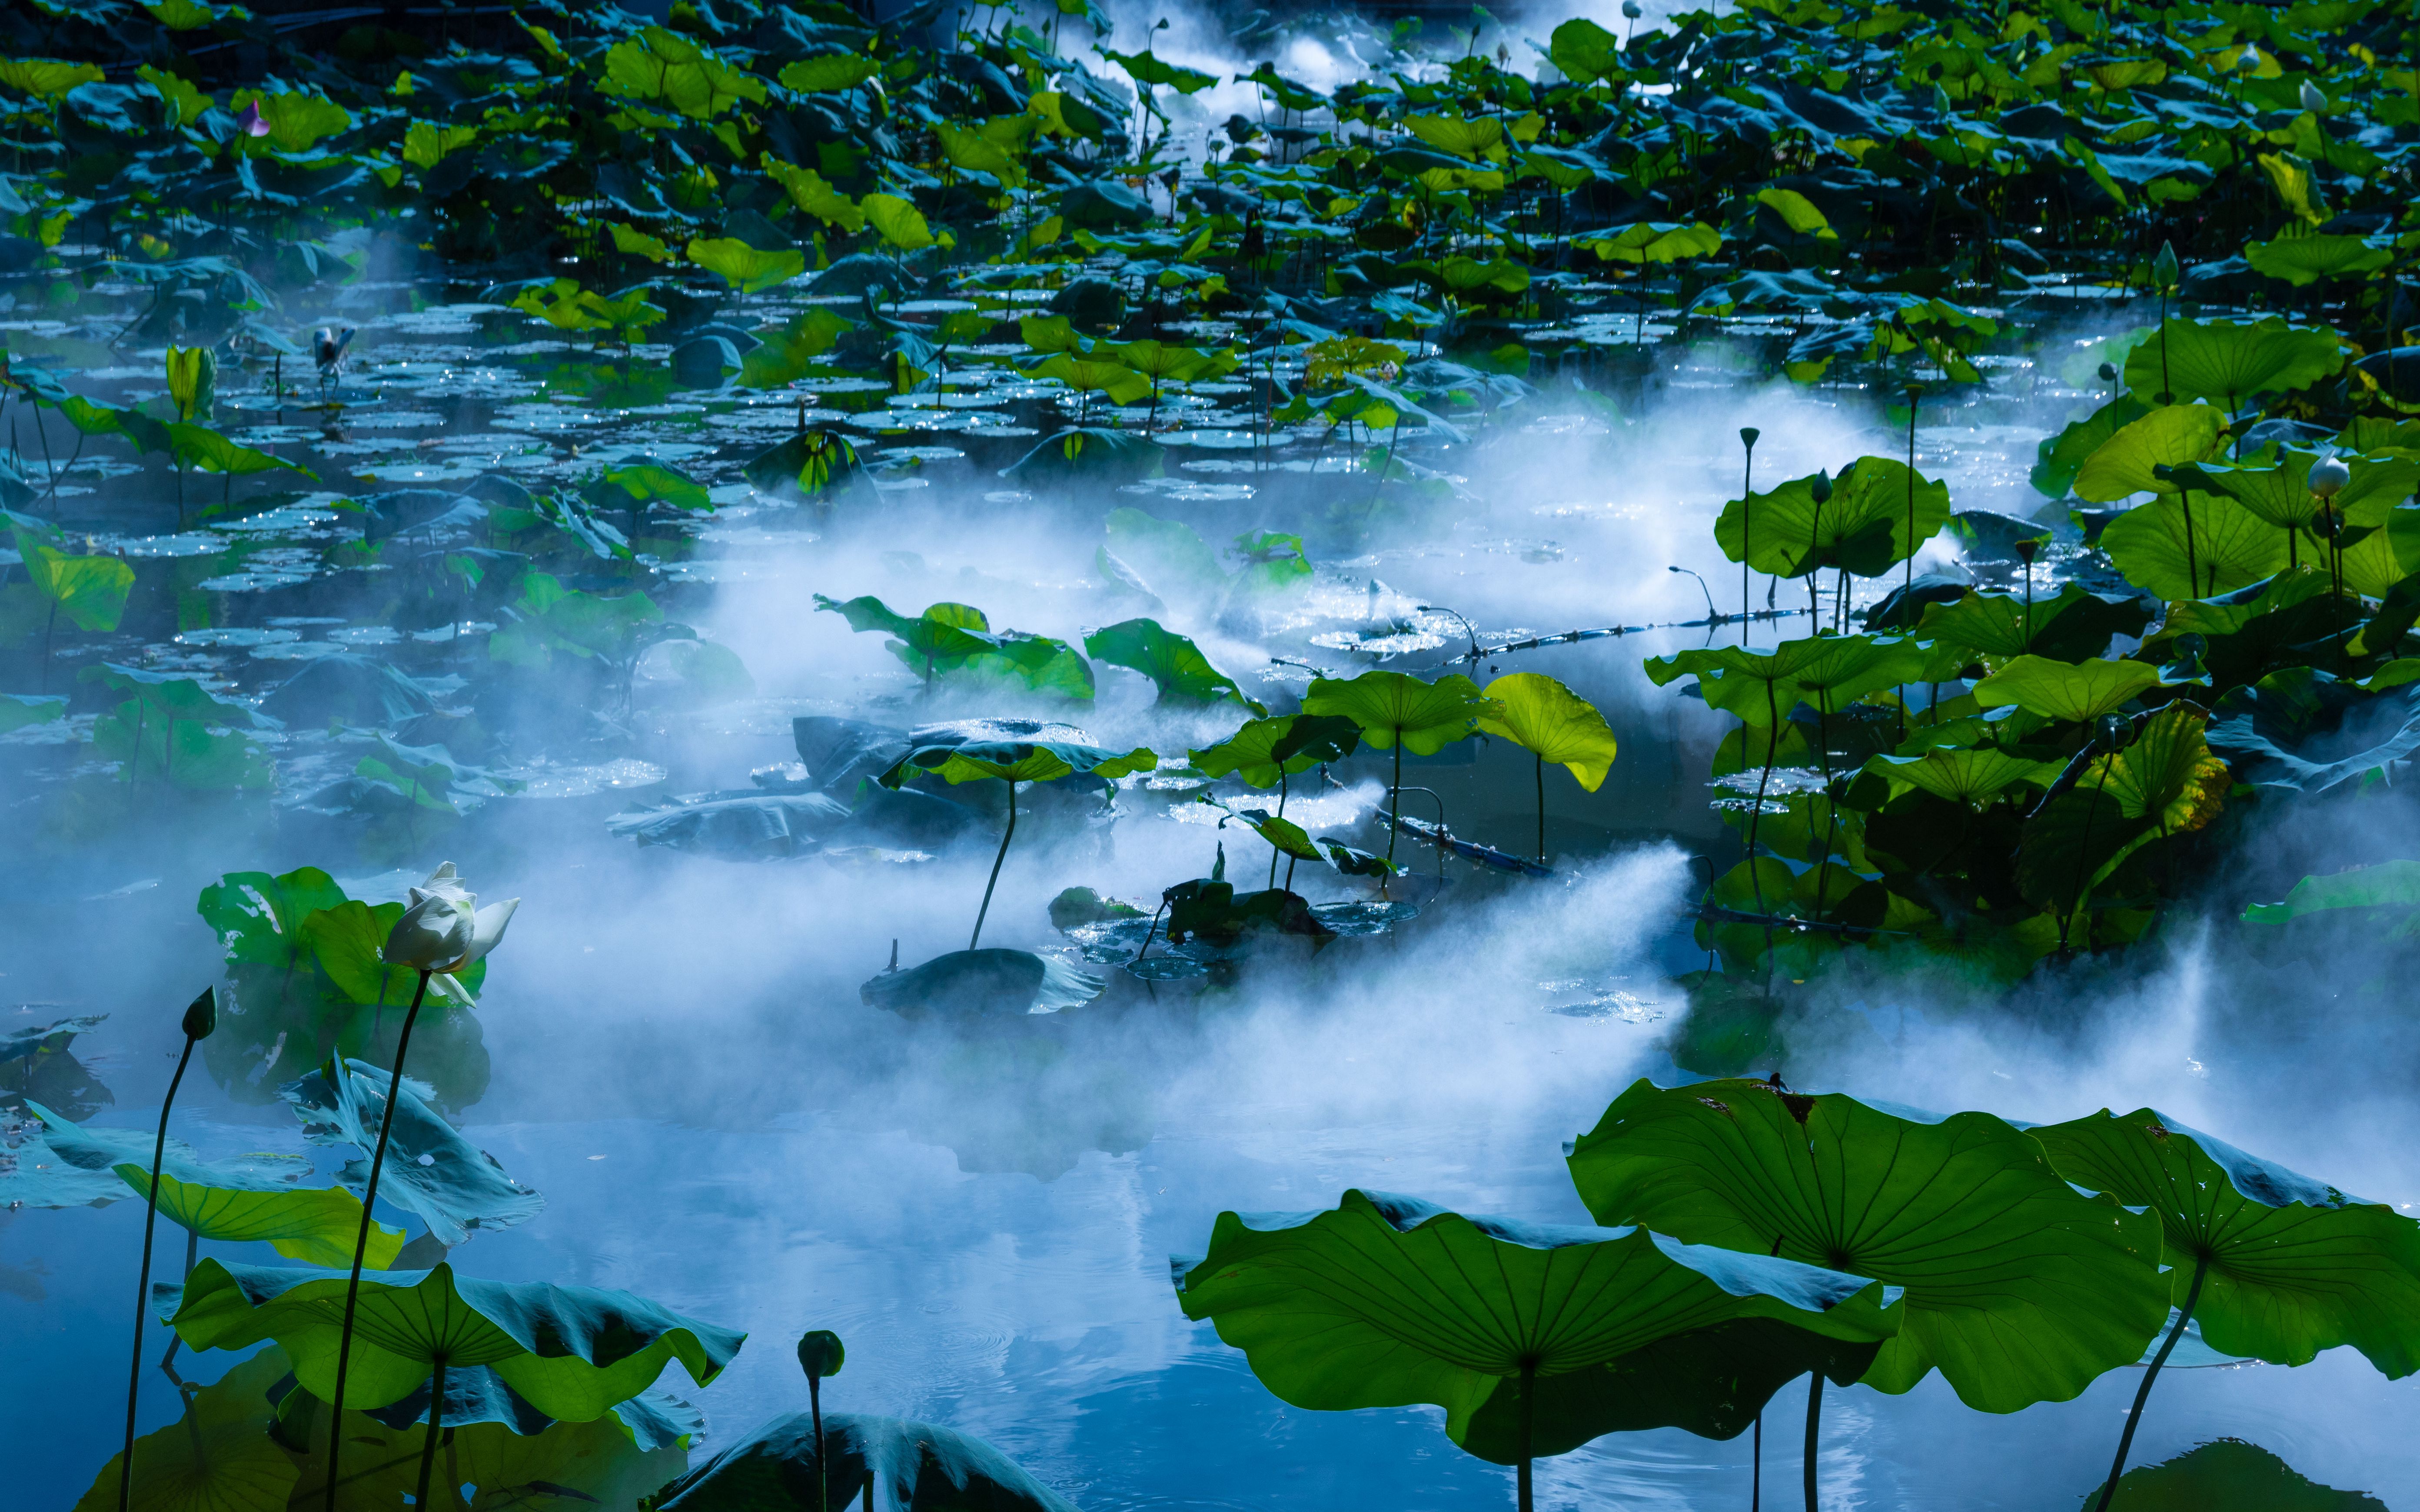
column 1386, row 1301
column 572, row 1351
column 218, row 1457
column 2019, row 1289
column 2229, row 1476
column 2387, row 884
column 2293, row 1266
column 991, row 984
column 914, row 1466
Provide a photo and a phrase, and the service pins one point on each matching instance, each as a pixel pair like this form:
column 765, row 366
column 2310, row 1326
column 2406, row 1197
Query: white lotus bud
column 2248, row 59
column 2313, row 100
column 2329, row 476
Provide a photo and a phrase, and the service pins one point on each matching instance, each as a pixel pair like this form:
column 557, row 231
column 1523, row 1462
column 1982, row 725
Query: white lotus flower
column 445, row 930
column 2329, row 476
column 2313, row 100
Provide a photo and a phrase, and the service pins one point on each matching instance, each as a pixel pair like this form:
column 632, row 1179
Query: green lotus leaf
column 90, row 591
column 2303, row 257
column 1166, row 362
column 809, row 464
column 2291, row 1265
column 316, row 1225
column 2230, row 360
column 2019, row 1289
column 1386, row 1301
column 1268, row 750
column 1018, row 760
column 652, row 483
column 2059, row 457
column 259, row 918
column 2231, row 547
column 915, row 1465
column 1757, row 686
column 1584, row 51
column 1396, row 707
column 2172, row 436
column 992, row 983
column 198, row 446
column 896, row 220
column 2167, row 773
column 18, row 710
column 61, row 1163
column 2074, row 627
column 217, row 1457
column 1452, row 133
column 1973, row 775
column 572, row 1351
column 1542, row 715
column 2387, row 884
column 348, row 941
column 2286, row 731
column 1864, row 527
column 942, row 632
column 431, row 1171
column 1095, row 374
column 1659, row 242
column 516, row 1458
column 829, row 74
column 1283, row 834
column 2229, row 1476
column 2279, row 492
column 747, row 268
column 2074, row 691
column 1174, row 663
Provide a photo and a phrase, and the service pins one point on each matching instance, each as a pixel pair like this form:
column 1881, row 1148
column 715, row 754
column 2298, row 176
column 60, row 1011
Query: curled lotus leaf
column 1386, row 1301
column 2290, row 1266
column 2020, row 1290
column 572, row 1351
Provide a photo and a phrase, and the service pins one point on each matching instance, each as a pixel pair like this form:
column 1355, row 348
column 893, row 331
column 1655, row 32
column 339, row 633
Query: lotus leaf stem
column 2143, row 1393
column 143, row 1278
column 1008, row 835
column 823, row 1464
column 429, row 1439
column 1541, row 804
column 1814, row 1431
column 1756, row 1465
column 1528, row 1401
column 362, row 1238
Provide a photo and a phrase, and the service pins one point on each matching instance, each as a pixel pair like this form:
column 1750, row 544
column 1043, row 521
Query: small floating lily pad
column 991, row 984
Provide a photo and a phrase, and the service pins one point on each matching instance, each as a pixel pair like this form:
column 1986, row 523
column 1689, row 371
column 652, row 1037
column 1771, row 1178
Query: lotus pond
column 1677, row 736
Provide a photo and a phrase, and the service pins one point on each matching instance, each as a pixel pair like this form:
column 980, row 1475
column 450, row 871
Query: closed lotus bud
column 2329, row 476
column 2249, row 59
column 2108, row 372
column 202, row 1014
column 433, row 934
column 251, row 122
column 1821, row 487
column 2313, row 100
column 2165, row 269
column 1630, row 10
column 820, row 1354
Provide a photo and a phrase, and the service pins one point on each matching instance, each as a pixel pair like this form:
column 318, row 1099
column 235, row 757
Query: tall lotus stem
column 1814, row 1425
column 1913, row 394
column 362, row 1238
column 2143, row 1393
column 201, row 1017
column 2025, row 550
column 429, row 1439
column 1528, row 1403
column 1748, row 435
column 1007, row 835
column 821, row 1354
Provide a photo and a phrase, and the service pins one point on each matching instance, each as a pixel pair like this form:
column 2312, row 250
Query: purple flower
column 252, row 122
